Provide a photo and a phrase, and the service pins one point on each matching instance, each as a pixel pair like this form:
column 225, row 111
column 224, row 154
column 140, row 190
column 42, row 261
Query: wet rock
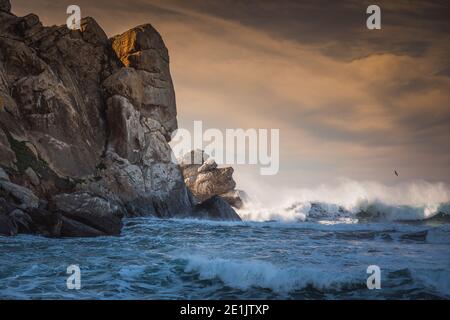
column 415, row 236
column 7, row 226
column 92, row 211
column 216, row 208
column 23, row 221
column 72, row 228
column 45, row 223
column 234, row 198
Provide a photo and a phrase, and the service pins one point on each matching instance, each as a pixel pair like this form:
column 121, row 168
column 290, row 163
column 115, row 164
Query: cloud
column 349, row 102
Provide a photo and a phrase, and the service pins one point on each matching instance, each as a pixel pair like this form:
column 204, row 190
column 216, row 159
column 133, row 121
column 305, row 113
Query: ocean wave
column 245, row 275
column 249, row 274
column 352, row 202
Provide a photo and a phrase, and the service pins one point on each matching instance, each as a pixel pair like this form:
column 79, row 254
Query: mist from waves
column 348, row 201
column 309, row 244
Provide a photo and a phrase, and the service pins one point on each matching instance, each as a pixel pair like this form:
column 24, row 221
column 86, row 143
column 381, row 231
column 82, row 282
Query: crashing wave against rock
column 85, row 123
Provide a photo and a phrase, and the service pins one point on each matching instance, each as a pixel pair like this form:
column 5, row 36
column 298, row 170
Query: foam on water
column 313, row 244
column 344, row 200
column 259, row 274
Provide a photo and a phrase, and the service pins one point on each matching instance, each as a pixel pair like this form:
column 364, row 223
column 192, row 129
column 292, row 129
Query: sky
column 349, row 102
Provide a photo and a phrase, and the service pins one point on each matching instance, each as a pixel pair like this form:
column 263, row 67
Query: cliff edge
column 85, row 123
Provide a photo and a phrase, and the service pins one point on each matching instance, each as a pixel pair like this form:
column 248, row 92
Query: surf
column 347, row 201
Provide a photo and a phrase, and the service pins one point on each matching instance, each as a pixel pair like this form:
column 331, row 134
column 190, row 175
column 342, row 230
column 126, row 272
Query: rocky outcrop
column 213, row 188
column 85, row 126
column 65, row 215
column 216, row 208
column 206, row 180
column 235, row 198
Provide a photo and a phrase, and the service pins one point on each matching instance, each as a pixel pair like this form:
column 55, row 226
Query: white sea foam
column 247, row 274
column 344, row 199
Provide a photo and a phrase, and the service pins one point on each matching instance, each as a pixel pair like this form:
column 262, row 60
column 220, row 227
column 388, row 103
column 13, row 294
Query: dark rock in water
column 75, row 215
column 141, row 207
column 7, row 225
column 73, row 228
column 415, row 236
column 45, row 223
column 235, row 198
column 216, row 208
column 22, row 220
column 87, row 209
column 205, row 180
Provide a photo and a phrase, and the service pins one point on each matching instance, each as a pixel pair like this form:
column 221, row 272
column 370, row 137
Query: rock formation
column 85, row 123
column 207, row 182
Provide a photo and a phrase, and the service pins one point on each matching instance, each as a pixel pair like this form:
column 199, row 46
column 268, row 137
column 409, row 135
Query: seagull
column 396, row 173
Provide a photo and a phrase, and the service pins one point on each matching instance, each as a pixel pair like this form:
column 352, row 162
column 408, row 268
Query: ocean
column 324, row 256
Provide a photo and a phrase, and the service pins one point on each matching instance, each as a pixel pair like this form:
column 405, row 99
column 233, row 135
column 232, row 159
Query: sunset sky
column 349, row 102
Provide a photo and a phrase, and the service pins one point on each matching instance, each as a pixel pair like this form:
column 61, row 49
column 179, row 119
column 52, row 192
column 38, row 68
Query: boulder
column 216, row 208
column 90, row 210
column 72, row 228
column 204, row 179
column 45, row 223
column 212, row 188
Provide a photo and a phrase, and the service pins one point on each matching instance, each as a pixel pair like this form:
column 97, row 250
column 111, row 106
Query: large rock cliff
column 85, row 123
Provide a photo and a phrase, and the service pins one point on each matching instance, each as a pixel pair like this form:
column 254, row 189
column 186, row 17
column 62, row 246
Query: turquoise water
column 188, row 259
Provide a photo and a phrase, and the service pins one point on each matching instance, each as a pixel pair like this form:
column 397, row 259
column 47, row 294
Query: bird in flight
column 396, row 173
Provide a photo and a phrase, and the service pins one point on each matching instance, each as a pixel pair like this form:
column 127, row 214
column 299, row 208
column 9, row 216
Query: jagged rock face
column 74, row 101
column 52, row 105
column 85, row 123
column 143, row 49
column 141, row 114
column 204, row 179
column 79, row 214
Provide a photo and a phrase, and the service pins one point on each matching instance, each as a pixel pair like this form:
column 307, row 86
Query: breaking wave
column 248, row 274
column 352, row 202
column 245, row 275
